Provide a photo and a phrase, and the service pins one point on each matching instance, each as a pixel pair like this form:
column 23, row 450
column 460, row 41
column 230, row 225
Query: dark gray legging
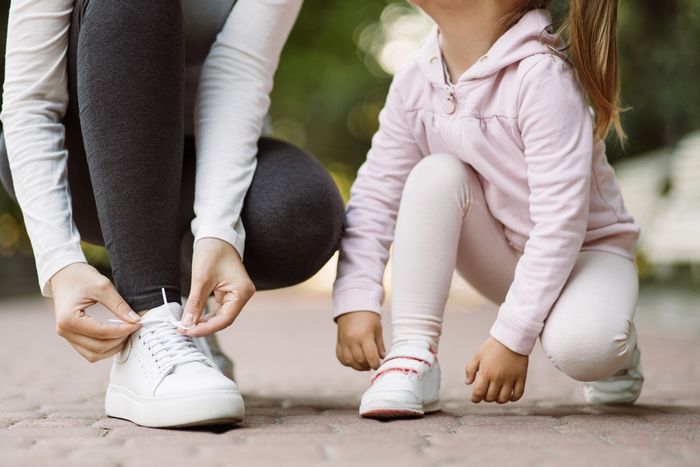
column 131, row 170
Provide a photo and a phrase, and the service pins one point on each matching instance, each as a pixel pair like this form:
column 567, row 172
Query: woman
column 127, row 121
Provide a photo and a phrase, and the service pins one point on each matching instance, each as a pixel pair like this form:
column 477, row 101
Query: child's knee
column 437, row 176
column 588, row 353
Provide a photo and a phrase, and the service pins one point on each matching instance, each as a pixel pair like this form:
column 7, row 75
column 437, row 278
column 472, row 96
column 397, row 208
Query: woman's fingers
column 197, row 300
column 97, row 346
column 108, row 296
column 91, row 356
column 81, row 323
column 224, row 316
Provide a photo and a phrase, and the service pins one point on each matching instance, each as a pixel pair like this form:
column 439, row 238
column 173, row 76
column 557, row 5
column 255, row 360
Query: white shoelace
column 167, row 346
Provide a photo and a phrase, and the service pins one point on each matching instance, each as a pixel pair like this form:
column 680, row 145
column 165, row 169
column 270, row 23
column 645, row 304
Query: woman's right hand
column 77, row 287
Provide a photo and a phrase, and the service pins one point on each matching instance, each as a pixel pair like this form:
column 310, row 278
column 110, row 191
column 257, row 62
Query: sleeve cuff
column 514, row 337
column 235, row 239
column 46, row 271
column 349, row 300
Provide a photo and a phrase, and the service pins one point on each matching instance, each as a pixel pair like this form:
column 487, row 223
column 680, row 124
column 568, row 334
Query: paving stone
column 303, row 412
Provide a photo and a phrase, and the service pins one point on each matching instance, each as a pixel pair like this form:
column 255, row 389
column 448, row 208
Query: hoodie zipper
column 449, row 106
column 449, row 103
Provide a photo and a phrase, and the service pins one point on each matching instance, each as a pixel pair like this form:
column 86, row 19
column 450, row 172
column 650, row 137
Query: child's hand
column 499, row 373
column 360, row 342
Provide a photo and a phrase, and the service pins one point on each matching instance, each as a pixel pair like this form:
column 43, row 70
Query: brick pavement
column 301, row 405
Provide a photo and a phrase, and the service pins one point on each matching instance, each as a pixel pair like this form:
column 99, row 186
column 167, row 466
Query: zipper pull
column 449, row 103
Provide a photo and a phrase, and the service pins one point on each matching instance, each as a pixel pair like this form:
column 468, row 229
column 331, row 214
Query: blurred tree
column 329, row 91
column 660, row 69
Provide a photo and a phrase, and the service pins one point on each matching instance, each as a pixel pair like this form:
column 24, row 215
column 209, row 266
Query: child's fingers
column 369, row 347
column 518, row 390
column 347, row 357
column 472, row 369
column 379, row 340
column 359, row 360
column 505, row 394
column 339, row 354
column 480, row 387
column 493, row 391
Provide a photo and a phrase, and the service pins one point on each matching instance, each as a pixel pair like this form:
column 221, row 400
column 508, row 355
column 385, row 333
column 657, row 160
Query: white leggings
column 444, row 223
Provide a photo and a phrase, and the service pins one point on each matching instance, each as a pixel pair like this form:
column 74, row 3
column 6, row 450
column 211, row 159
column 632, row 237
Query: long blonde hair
column 591, row 30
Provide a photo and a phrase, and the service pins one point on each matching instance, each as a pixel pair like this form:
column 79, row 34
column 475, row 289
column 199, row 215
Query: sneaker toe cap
column 202, row 381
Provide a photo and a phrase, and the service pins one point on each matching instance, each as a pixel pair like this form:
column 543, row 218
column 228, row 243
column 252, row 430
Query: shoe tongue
column 166, row 310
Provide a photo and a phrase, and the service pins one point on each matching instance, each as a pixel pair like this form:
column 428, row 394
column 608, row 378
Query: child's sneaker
column 161, row 379
column 620, row 389
column 407, row 384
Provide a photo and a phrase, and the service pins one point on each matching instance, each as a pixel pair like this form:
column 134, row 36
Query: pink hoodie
column 520, row 119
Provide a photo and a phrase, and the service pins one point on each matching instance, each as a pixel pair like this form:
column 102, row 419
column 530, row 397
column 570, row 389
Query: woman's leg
column 130, row 85
column 293, row 216
column 589, row 334
column 443, row 222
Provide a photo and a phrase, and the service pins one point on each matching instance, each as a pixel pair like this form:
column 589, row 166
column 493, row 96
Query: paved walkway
column 301, row 405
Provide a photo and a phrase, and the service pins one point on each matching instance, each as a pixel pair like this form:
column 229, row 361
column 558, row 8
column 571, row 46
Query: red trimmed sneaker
column 406, row 385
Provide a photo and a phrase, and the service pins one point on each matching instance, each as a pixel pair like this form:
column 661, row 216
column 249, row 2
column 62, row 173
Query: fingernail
column 133, row 315
column 187, row 319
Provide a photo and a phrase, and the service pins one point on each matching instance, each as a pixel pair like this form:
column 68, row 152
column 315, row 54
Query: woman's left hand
column 499, row 373
column 216, row 267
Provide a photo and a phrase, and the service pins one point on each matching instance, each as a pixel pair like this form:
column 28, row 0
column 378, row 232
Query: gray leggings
column 131, row 169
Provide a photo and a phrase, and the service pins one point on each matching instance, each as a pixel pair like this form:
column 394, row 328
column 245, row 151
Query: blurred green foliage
column 328, row 91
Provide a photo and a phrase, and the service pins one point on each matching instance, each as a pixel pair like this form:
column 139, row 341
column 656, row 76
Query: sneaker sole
column 203, row 409
column 387, row 409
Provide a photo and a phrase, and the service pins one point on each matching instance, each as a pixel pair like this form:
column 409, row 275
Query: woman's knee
column 293, row 215
column 588, row 352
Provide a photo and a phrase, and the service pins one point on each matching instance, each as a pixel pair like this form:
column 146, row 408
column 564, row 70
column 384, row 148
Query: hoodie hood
column 531, row 35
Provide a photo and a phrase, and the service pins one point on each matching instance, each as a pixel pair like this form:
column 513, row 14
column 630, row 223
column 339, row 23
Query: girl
column 105, row 143
column 488, row 159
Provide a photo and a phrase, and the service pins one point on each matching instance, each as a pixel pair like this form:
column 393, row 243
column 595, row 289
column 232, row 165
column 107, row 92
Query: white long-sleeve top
column 232, row 99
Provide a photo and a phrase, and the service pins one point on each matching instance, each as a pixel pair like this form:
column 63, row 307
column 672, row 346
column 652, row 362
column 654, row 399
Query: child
column 488, row 159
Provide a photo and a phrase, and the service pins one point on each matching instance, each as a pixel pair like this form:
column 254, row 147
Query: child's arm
column 364, row 250
column 557, row 133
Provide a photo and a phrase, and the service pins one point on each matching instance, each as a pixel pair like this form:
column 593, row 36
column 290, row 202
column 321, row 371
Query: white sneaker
column 407, row 384
column 209, row 346
column 620, row 389
column 161, row 379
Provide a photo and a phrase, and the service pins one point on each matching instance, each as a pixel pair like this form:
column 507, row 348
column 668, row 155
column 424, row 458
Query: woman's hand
column 216, row 267
column 77, row 287
column 360, row 343
column 499, row 373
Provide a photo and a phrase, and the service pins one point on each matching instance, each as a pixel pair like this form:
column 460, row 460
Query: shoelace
column 168, row 347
